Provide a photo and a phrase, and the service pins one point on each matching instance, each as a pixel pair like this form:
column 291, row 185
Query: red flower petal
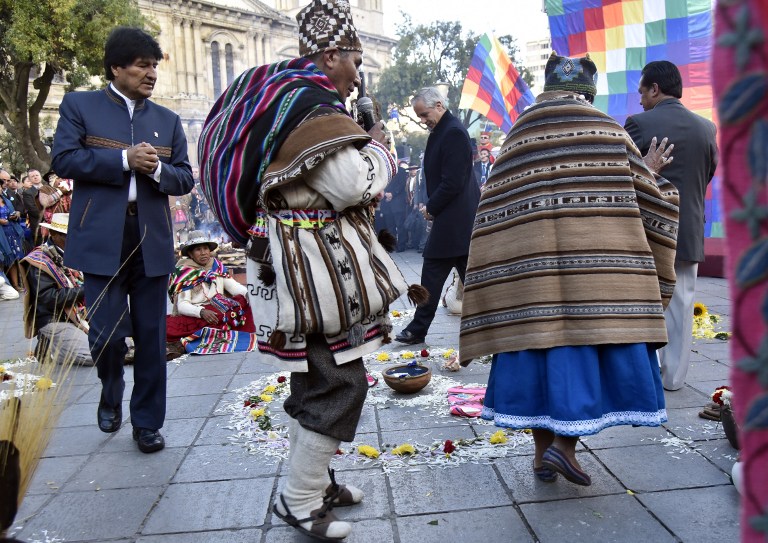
column 424, row 353
column 449, row 447
column 281, row 379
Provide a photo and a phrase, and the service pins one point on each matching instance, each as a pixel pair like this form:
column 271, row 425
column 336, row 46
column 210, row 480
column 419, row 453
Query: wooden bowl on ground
column 407, row 378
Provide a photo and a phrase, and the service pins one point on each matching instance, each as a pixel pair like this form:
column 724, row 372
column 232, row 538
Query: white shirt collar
column 130, row 103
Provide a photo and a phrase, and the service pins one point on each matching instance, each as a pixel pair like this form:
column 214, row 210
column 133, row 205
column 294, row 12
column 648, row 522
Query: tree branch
column 21, row 88
column 7, row 124
column 43, row 85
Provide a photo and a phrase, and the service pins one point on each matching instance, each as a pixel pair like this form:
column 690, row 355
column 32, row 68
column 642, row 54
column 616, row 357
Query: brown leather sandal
column 338, row 495
column 320, row 518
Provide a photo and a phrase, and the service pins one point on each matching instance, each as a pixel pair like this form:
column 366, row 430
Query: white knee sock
column 308, row 478
column 293, row 425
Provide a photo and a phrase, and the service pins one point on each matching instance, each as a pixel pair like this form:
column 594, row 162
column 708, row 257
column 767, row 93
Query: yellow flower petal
column 270, row 389
column 265, row 398
column 2, row 369
column 382, row 357
column 405, row 448
column 44, row 383
column 256, row 413
column 367, row 450
column 449, row 353
column 498, row 438
column 699, row 309
column 395, row 313
column 407, row 354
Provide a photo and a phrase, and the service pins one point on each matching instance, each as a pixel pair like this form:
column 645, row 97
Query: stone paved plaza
column 666, row 484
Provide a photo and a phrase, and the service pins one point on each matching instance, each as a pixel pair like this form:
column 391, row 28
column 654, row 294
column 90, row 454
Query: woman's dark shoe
column 174, row 350
column 556, row 460
column 544, row 474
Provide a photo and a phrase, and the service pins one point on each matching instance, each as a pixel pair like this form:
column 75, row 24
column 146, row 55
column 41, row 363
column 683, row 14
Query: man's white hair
column 430, row 96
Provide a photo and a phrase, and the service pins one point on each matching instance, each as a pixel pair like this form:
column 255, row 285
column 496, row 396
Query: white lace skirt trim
column 577, row 427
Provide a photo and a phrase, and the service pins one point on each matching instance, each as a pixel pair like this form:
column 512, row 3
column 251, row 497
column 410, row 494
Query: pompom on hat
column 197, row 237
column 324, row 24
column 571, row 74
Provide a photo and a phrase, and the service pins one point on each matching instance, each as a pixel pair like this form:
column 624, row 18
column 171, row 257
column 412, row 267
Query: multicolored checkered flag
column 622, row 36
column 493, row 87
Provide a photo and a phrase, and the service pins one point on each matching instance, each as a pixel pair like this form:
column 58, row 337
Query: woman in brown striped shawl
column 570, row 268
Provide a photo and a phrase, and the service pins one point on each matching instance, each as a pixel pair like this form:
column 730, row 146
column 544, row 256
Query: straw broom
column 29, row 411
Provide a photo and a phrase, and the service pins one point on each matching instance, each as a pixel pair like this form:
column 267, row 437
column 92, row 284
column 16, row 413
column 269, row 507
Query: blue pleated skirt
column 576, row 391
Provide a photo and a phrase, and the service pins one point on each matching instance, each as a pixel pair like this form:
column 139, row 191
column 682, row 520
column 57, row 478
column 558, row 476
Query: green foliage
column 10, row 157
column 44, row 39
column 428, row 54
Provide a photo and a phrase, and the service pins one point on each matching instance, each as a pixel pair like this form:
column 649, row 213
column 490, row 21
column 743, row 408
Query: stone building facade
column 207, row 43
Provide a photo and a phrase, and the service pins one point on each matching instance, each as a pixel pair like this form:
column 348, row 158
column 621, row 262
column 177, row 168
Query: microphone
column 365, row 109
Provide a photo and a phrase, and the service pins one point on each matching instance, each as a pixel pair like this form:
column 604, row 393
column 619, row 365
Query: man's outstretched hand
column 659, row 157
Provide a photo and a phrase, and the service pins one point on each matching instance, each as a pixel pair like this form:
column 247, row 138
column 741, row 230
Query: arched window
column 216, row 69
column 230, row 60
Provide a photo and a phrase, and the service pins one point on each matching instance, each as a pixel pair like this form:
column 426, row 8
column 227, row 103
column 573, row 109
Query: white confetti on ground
column 273, row 443
column 397, row 318
column 21, row 382
column 47, row 537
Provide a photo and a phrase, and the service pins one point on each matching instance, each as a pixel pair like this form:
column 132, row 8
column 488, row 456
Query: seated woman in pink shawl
column 209, row 306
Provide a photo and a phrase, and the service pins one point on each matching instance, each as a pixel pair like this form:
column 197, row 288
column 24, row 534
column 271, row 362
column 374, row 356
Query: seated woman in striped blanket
column 208, row 304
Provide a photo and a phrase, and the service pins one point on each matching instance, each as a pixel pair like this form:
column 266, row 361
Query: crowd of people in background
column 521, row 233
column 35, row 198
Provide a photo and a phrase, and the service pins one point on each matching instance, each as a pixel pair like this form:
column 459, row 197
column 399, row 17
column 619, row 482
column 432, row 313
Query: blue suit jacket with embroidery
column 94, row 127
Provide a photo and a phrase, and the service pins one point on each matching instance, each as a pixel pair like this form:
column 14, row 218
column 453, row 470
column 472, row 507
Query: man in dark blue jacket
column 453, row 196
column 126, row 155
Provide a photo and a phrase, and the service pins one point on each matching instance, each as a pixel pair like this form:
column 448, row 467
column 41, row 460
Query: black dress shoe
column 149, row 440
column 109, row 418
column 408, row 338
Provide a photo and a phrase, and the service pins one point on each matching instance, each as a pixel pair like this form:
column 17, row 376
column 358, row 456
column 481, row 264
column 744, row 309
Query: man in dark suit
column 395, row 204
column 482, row 167
column 31, row 205
column 695, row 160
column 126, row 155
column 453, row 196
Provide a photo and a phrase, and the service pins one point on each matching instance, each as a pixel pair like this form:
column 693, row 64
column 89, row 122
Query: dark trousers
column 395, row 222
column 329, row 398
column 112, row 320
column 434, row 272
column 416, row 230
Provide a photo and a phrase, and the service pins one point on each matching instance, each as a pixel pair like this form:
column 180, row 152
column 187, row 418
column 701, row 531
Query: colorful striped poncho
column 187, row 277
column 47, row 259
column 573, row 241
column 245, row 130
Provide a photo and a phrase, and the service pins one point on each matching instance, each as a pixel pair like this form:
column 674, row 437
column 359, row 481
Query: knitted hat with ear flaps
column 571, row 74
column 327, row 23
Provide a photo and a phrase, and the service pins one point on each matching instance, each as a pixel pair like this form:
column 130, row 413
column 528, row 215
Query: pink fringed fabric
column 740, row 64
